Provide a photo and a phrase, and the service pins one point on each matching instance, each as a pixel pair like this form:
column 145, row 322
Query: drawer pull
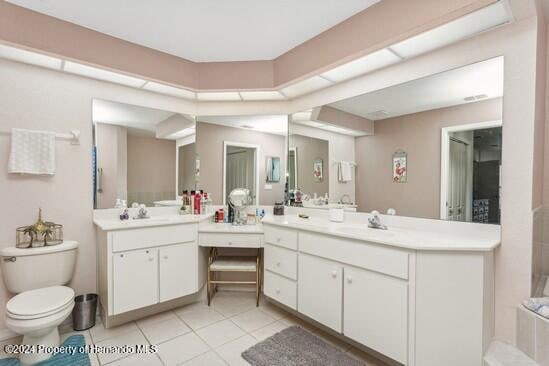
column 151, row 259
column 165, row 257
column 334, row 274
column 278, row 291
column 350, row 279
column 230, row 243
column 278, row 240
column 278, row 264
column 121, row 255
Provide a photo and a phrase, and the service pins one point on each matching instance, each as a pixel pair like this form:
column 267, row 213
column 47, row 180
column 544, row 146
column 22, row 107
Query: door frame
column 445, row 156
column 257, row 154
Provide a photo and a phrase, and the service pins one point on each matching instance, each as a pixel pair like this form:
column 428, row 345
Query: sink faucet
column 142, row 213
column 374, row 222
column 345, row 199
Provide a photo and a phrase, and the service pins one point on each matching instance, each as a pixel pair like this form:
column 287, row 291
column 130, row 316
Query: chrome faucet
column 374, row 222
column 142, row 213
column 345, row 199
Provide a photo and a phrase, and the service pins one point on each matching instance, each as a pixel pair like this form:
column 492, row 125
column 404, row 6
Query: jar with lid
column 278, row 209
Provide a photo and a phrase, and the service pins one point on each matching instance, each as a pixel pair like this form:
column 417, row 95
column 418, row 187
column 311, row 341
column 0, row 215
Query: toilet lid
column 40, row 301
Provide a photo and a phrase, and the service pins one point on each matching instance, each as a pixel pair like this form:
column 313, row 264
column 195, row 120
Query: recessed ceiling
column 274, row 124
column 127, row 115
column 446, row 89
column 206, row 30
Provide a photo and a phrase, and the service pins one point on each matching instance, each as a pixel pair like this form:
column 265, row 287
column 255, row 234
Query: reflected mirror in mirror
column 141, row 155
column 429, row 148
column 248, row 151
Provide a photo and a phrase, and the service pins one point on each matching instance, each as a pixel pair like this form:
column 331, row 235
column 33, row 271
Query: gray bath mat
column 296, row 346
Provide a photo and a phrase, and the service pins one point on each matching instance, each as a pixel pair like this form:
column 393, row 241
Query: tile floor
column 200, row 335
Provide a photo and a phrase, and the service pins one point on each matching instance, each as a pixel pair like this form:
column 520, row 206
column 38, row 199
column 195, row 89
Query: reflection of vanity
column 388, row 290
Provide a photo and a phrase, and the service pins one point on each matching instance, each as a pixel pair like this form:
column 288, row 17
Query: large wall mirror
column 141, row 155
column 428, row 148
column 242, row 152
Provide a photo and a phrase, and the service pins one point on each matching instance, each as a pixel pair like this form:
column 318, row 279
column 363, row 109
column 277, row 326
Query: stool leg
column 257, row 280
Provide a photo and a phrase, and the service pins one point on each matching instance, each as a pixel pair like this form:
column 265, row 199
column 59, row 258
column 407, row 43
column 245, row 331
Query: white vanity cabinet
column 320, row 290
column 134, row 280
column 144, row 266
column 419, row 307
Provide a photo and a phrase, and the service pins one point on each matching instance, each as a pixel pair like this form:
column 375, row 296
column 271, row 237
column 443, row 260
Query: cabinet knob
column 277, row 290
column 230, row 243
column 334, row 274
column 350, row 279
column 147, row 252
column 151, row 259
column 121, row 255
column 278, row 264
column 165, row 257
column 278, row 240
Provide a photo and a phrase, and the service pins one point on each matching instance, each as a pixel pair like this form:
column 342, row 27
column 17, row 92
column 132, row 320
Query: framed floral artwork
column 400, row 167
column 317, row 170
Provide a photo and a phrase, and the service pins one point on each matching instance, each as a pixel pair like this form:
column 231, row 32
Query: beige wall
column 308, row 150
column 111, row 144
column 209, row 148
column 151, row 169
column 419, row 135
column 186, row 162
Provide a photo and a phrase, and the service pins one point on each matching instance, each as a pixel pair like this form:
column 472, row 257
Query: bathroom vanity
column 389, row 290
column 148, row 262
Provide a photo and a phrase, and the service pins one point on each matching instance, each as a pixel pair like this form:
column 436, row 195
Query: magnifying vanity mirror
column 141, row 155
column 427, row 148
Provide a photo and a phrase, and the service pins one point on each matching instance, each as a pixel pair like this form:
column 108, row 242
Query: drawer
column 281, row 261
column 281, row 237
column 153, row 236
column 230, row 240
column 280, row 289
column 390, row 261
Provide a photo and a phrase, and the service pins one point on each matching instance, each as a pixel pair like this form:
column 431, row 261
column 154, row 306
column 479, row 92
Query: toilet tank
column 32, row 268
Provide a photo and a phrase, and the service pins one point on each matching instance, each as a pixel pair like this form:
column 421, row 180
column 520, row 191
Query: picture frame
column 400, row 167
column 318, row 170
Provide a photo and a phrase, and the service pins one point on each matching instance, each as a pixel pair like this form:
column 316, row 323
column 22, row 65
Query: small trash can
column 83, row 314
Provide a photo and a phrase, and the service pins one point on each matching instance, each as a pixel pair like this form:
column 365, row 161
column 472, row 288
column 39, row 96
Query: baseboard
column 6, row 333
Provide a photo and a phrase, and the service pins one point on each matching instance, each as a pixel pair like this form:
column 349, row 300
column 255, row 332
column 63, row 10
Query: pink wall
column 209, row 148
column 419, row 135
column 383, row 23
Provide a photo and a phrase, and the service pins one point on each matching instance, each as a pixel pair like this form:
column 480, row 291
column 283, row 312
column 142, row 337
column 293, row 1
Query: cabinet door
column 135, row 280
column 178, row 273
column 376, row 312
column 320, row 290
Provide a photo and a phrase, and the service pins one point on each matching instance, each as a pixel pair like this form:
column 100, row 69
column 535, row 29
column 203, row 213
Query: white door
column 457, row 181
column 135, row 280
column 240, row 167
column 178, row 272
column 376, row 312
column 320, row 290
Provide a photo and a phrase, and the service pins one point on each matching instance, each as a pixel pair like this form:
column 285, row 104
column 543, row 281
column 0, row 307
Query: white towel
column 32, row 152
column 546, row 289
column 344, row 173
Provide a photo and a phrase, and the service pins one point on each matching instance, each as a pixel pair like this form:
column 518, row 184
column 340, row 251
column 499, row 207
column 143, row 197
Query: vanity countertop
column 212, row 227
column 110, row 223
column 407, row 238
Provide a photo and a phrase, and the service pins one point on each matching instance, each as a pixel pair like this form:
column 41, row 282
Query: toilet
column 42, row 303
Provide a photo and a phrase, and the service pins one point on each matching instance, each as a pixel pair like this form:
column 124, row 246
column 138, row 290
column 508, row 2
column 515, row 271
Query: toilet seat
column 40, row 303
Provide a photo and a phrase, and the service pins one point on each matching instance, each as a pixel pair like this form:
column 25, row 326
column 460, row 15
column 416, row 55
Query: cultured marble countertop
column 212, row 227
column 112, row 223
column 407, row 238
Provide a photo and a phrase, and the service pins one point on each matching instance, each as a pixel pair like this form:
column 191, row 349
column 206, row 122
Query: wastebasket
column 83, row 314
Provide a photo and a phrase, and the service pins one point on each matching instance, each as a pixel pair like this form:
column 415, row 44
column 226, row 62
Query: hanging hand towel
column 344, row 171
column 32, row 152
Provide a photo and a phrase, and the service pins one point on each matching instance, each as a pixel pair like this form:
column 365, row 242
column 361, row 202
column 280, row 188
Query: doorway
column 470, row 173
column 240, row 169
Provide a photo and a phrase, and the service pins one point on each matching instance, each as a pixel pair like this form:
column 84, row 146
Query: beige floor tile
column 252, row 320
column 181, row 349
column 273, row 311
column 231, row 352
column 199, row 316
column 207, row 359
column 166, row 328
column 220, row 333
column 100, row 333
column 149, row 359
column 192, row 307
column 167, row 315
column 230, row 304
column 125, row 339
column 268, row 331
